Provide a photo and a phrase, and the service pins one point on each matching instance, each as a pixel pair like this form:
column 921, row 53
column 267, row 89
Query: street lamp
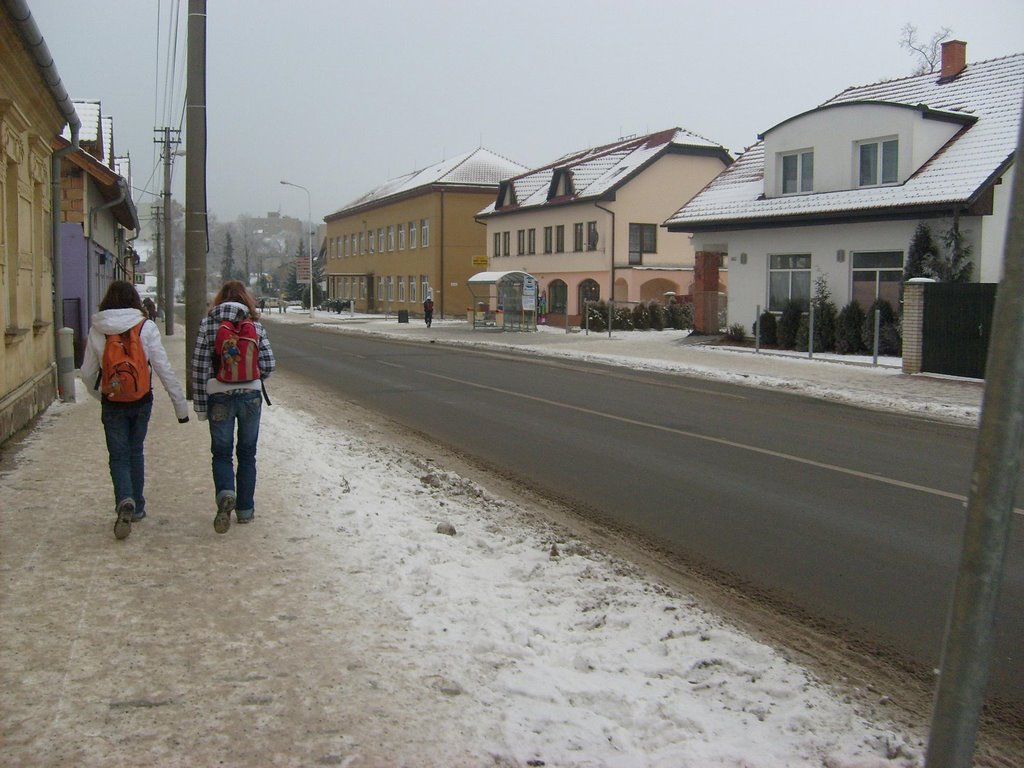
column 309, row 219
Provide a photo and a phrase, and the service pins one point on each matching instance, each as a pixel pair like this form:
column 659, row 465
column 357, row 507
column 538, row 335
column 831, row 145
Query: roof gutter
column 30, row 35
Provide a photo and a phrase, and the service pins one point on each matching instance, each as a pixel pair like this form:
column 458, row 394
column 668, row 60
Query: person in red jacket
column 428, row 311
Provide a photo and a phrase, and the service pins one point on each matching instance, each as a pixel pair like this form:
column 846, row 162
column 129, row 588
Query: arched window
column 558, row 296
column 589, row 290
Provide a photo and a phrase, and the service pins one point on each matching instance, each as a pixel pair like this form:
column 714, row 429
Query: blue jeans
column 223, row 412
column 125, row 426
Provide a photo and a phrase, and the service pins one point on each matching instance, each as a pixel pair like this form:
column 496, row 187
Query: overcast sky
column 340, row 96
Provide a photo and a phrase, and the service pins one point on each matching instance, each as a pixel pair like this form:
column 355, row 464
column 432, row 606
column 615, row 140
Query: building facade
column 98, row 221
column 836, row 193
column 31, row 117
column 588, row 226
column 415, row 237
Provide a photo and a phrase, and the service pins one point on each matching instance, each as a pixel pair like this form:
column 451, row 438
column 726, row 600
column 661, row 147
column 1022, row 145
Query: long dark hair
column 121, row 295
column 235, row 290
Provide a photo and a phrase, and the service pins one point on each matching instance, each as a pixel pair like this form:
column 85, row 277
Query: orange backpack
column 124, row 373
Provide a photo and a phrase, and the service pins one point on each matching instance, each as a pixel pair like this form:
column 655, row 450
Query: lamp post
column 309, row 219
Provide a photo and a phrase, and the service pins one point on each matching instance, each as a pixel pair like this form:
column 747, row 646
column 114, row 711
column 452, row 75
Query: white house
column 587, row 225
column 839, row 190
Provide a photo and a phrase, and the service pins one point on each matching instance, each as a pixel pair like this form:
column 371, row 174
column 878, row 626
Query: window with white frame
column 380, row 239
column 424, row 288
column 412, row 289
column 401, row 290
column 412, row 234
column 520, row 242
column 879, row 161
column 798, row 172
column 373, row 242
column 497, row 243
column 391, row 288
column 362, row 243
column 506, row 243
column 362, row 288
column 391, row 237
column 425, row 233
column 643, row 239
column 877, row 275
column 401, row 237
column 789, row 277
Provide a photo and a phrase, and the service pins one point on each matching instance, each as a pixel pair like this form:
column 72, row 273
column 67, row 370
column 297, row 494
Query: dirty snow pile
column 552, row 653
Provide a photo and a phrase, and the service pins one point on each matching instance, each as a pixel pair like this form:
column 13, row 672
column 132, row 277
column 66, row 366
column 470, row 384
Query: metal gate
column 957, row 327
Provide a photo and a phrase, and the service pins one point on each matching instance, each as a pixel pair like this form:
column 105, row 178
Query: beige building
column 415, row 236
column 587, row 226
column 34, row 107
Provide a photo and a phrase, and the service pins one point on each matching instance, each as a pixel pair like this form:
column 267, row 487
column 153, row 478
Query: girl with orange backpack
column 122, row 350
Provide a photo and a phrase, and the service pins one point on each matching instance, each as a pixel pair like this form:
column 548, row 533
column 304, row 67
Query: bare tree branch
column 928, row 55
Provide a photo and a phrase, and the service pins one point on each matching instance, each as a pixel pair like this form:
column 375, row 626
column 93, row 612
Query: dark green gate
column 957, row 327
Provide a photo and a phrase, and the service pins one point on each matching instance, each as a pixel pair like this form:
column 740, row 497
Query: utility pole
column 197, row 243
column 155, row 213
column 166, row 292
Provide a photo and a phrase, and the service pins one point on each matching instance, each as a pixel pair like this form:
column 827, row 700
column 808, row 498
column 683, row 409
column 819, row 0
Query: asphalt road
column 851, row 517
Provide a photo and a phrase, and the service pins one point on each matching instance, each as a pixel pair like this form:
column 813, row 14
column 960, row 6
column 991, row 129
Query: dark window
column 547, row 239
column 560, row 238
column 505, row 238
column 531, row 241
column 789, row 277
column 577, row 236
column 558, row 294
column 643, row 239
column 591, row 235
column 520, row 242
column 497, row 243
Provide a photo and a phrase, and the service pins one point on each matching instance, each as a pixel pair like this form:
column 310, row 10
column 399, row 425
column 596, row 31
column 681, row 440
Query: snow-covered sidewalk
column 381, row 611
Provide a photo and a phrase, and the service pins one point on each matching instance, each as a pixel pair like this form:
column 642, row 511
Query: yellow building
column 415, row 236
column 34, row 107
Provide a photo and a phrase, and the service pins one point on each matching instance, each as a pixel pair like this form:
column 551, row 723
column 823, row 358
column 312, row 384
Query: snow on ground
column 570, row 657
column 505, row 641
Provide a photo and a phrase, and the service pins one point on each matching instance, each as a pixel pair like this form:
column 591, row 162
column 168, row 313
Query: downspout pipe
column 29, row 32
column 611, row 290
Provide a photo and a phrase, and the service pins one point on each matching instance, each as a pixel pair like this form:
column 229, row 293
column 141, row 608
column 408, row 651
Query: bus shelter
column 503, row 300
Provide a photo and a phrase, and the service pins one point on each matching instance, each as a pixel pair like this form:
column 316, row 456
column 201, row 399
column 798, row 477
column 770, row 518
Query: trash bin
column 403, row 315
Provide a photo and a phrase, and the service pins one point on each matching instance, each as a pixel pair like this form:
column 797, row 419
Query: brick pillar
column 913, row 326
column 705, row 291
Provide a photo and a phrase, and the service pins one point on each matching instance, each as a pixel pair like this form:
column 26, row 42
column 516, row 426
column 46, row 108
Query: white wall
column 748, row 283
column 989, row 251
column 833, row 134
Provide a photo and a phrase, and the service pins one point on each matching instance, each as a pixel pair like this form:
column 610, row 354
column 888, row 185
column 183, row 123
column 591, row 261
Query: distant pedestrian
column 149, row 308
column 428, row 311
column 231, row 358
column 263, row 304
column 123, row 348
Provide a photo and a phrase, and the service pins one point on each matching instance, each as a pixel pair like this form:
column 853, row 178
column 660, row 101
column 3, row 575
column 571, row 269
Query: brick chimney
column 954, row 58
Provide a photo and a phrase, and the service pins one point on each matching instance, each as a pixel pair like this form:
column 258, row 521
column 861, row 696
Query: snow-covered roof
column 596, row 171
column 108, row 140
column 479, row 168
column 89, row 114
column 489, row 278
column 987, row 93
